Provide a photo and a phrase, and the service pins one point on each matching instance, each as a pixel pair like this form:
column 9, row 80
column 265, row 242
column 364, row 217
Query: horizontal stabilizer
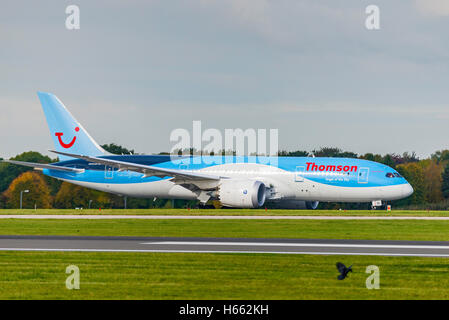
column 40, row 166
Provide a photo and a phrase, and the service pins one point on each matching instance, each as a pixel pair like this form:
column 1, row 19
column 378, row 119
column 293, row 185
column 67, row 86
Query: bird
column 343, row 270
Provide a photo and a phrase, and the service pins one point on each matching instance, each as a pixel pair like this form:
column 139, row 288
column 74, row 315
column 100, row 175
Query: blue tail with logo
column 68, row 134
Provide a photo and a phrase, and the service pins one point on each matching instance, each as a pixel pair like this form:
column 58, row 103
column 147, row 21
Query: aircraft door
column 108, row 172
column 363, row 175
column 299, row 173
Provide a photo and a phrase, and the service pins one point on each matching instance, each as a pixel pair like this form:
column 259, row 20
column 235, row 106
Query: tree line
column 429, row 178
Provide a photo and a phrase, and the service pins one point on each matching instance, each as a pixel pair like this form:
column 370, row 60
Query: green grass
column 40, row 275
column 271, row 212
column 327, row 229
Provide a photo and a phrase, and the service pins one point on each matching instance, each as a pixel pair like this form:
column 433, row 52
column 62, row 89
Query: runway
column 215, row 217
column 225, row 245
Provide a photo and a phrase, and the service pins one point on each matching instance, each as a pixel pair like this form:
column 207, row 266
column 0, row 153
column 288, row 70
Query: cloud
column 138, row 70
column 433, row 7
column 285, row 22
column 22, row 126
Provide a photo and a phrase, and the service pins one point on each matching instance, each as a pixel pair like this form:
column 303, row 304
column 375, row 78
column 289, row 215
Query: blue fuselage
column 294, row 178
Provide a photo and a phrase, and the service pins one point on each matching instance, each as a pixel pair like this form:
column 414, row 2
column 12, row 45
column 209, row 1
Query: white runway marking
column 209, row 217
column 288, row 244
column 218, row 251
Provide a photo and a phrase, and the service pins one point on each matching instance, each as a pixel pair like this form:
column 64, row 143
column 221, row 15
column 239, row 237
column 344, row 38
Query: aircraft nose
column 407, row 190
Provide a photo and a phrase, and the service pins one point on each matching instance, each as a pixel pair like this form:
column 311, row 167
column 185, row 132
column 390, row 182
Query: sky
column 137, row 70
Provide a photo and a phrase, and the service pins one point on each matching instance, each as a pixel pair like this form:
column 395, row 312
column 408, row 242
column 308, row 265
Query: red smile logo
column 66, row 145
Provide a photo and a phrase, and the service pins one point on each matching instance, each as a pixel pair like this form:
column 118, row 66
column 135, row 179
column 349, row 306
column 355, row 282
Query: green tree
column 414, row 173
column 333, row 152
column 368, row 156
column 116, row 149
column 72, row 196
column 409, row 157
column 9, row 172
column 432, row 181
column 445, row 181
column 388, row 160
column 297, row 153
column 39, row 193
column 440, row 156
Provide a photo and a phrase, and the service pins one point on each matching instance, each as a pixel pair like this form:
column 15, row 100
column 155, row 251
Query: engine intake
column 242, row 193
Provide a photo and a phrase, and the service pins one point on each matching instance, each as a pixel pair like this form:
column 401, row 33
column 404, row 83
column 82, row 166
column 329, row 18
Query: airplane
column 238, row 182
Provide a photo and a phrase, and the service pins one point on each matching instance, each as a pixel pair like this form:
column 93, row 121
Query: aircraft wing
column 179, row 176
column 41, row 166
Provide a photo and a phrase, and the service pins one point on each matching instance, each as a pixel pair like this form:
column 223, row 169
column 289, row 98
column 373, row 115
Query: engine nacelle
column 296, row 204
column 241, row 193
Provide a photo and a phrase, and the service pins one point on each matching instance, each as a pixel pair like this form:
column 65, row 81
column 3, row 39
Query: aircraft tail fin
column 67, row 133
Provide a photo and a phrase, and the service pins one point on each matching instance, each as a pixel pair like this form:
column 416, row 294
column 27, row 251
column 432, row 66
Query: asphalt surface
column 225, row 245
column 214, row 217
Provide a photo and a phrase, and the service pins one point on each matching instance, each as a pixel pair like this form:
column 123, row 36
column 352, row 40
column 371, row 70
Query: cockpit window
column 393, row 175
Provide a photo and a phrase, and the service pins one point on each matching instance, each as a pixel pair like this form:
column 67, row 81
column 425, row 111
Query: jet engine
column 241, row 193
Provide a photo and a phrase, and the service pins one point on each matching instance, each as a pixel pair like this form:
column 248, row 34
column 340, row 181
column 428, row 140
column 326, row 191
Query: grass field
column 40, row 275
column 230, row 212
column 322, row 229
